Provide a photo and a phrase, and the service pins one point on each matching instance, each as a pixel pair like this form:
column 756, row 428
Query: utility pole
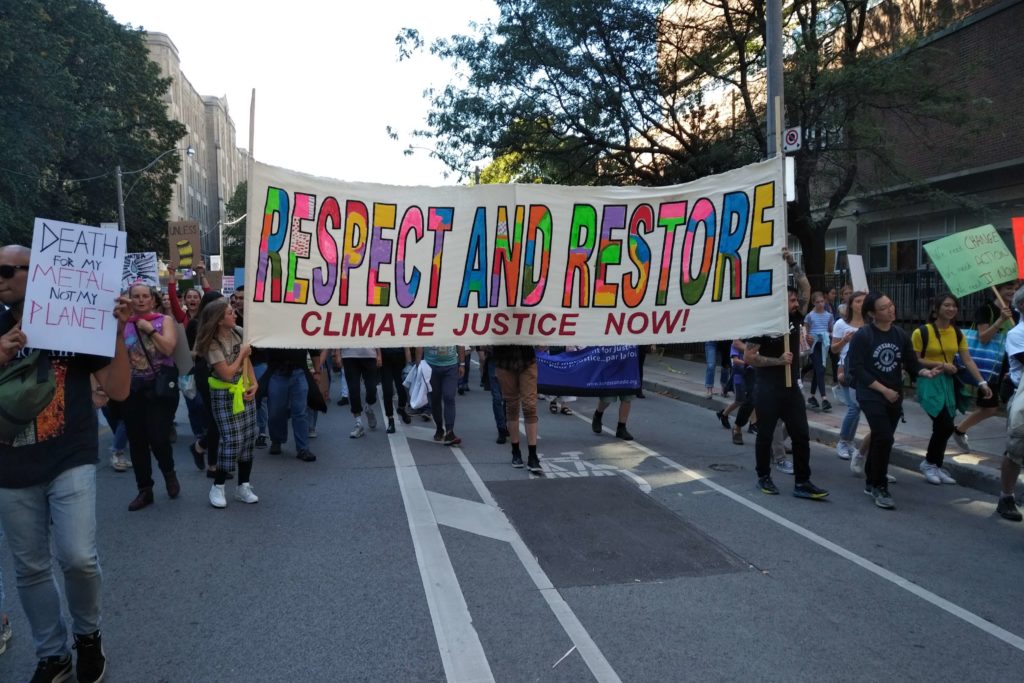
column 773, row 47
column 120, row 199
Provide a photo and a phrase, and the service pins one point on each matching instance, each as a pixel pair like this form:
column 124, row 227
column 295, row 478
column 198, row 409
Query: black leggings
column 356, row 368
column 942, row 429
column 391, row 368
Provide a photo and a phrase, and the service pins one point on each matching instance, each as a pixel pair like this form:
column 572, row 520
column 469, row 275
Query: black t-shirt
column 774, row 347
column 65, row 434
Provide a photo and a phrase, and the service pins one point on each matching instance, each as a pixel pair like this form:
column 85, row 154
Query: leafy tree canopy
column 234, row 234
column 652, row 93
column 80, row 96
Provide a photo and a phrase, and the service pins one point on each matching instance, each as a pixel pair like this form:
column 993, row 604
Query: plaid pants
column 237, row 430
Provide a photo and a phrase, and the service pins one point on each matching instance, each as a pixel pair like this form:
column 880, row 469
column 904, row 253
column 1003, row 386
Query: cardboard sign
column 1018, row 245
column 858, row 279
column 184, row 245
column 139, row 268
column 73, row 284
column 215, row 279
column 972, row 260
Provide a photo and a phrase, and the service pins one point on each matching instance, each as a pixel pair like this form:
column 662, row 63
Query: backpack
column 27, row 386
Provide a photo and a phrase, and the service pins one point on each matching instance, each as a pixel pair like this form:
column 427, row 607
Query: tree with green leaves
column 234, row 233
column 80, row 96
column 651, row 93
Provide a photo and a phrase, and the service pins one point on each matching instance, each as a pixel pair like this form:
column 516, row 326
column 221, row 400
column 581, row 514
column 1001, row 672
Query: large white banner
column 336, row 264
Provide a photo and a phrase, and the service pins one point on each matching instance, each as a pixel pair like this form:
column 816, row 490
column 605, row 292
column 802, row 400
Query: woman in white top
column 842, row 333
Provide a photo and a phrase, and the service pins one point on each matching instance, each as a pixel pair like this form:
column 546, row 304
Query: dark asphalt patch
column 601, row 531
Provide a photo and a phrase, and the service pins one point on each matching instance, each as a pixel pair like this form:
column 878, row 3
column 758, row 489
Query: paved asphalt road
column 399, row 559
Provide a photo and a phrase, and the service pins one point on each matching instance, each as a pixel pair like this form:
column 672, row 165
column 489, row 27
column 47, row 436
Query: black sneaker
column 517, row 460
column 502, row 436
column 391, row 425
column 752, row 428
column 813, row 402
column 439, row 435
column 621, row 433
column 882, row 497
column 723, row 419
column 275, row 448
column 826, row 407
column 595, row 423
column 261, row 441
column 52, row 670
column 451, row 440
column 92, row 663
column 768, row 486
column 343, row 401
column 533, row 464
column 404, row 414
column 737, row 436
column 1007, row 509
column 306, row 456
column 808, row 490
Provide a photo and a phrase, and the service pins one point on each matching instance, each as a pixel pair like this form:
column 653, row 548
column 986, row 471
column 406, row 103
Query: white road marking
column 592, row 656
column 462, row 654
column 988, row 627
column 469, row 515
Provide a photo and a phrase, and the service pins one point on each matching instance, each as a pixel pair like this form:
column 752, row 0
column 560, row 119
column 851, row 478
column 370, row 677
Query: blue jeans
column 848, row 430
column 497, row 401
column 261, row 405
column 710, row 363
column 196, row 415
column 287, row 397
column 818, row 363
column 117, row 427
column 65, row 510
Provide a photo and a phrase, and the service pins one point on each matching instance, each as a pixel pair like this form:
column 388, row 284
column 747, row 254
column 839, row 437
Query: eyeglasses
column 7, row 272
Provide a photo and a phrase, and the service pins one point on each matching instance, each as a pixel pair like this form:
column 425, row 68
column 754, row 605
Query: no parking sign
column 792, row 139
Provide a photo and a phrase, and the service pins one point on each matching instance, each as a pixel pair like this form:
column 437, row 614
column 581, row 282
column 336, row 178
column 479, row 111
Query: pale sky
column 326, row 74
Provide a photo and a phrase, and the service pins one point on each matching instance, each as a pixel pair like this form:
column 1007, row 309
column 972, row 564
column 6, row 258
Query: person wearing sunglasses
column 48, row 487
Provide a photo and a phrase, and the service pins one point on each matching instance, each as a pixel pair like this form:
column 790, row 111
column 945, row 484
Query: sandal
column 566, row 410
column 553, row 407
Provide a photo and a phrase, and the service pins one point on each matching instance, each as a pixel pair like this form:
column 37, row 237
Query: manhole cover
column 724, row 467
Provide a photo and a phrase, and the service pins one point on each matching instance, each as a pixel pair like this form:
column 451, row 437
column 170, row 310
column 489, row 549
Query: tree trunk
column 812, row 240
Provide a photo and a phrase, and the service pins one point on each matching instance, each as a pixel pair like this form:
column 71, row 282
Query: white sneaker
column 245, row 494
column 312, row 433
column 961, row 441
column 944, row 476
column 930, row 472
column 844, row 450
column 357, row 432
column 857, row 463
column 371, row 419
column 217, row 498
column 118, row 462
column 784, row 466
column 889, row 478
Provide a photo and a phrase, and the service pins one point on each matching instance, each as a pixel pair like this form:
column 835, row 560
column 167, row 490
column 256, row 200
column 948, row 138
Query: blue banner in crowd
column 592, row 371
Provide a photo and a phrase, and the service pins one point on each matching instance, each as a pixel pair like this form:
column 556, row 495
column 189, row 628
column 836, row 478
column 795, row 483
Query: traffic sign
column 792, row 139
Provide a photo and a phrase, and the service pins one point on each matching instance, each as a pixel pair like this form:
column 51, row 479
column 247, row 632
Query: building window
column 905, row 255
column 878, row 257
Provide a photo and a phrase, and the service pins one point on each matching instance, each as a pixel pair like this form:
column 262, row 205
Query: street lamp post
column 119, row 173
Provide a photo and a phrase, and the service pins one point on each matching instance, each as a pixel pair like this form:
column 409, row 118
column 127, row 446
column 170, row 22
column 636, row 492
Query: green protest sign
column 972, row 260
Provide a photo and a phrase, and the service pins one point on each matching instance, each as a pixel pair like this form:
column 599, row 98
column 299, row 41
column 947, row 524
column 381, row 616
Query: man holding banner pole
column 778, row 397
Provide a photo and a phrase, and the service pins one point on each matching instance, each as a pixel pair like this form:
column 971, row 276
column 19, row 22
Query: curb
column 984, row 479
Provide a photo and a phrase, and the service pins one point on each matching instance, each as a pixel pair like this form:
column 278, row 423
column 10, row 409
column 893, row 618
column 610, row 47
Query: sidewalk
column 683, row 380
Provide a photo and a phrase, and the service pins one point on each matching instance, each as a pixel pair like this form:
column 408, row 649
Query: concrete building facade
column 208, row 179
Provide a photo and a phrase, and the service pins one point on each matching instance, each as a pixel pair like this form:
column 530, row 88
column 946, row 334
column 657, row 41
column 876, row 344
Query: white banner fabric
column 337, row 264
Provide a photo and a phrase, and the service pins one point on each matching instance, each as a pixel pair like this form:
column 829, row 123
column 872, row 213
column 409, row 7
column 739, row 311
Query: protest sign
column 593, row 371
column 215, row 263
column 184, row 245
column 330, row 263
column 216, row 280
column 239, row 277
column 972, row 260
column 858, row 278
column 1018, row 245
column 139, row 268
column 228, row 284
column 72, row 288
